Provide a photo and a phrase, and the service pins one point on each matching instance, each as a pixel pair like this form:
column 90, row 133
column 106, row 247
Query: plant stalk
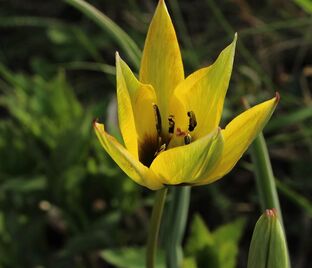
column 264, row 176
column 154, row 227
column 177, row 214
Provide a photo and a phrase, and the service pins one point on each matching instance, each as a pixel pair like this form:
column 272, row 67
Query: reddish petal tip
column 271, row 212
column 277, row 97
column 94, row 121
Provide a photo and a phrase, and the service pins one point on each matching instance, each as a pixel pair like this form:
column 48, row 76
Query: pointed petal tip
column 97, row 125
column 162, row 6
column 161, row 2
column 277, row 97
column 234, row 40
column 117, row 57
column 95, row 121
column 231, row 47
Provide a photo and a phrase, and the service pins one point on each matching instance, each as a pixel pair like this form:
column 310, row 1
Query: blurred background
column 65, row 203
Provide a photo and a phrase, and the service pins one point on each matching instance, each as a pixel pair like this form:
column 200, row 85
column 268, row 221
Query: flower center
column 166, row 139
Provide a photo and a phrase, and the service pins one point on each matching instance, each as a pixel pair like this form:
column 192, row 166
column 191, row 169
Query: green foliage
column 306, row 5
column 214, row 249
column 50, row 165
column 189, row 263
column 129, row 258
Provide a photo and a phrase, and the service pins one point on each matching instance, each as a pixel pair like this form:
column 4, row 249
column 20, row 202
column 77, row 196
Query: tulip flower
column 169, row 123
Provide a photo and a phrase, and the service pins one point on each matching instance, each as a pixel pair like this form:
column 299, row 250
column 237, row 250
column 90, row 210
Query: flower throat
column 151, row 148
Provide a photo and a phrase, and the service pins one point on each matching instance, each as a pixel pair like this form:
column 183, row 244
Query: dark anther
column 192, row 120
column 171, row 124
column 187, row 139
column 157, row 118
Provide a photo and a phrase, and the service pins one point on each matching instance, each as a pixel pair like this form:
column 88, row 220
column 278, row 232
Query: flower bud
column 268, row 245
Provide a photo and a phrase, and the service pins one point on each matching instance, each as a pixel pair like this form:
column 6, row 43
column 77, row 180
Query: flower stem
column 265, row 180
column 177, row 215
column 154, row 227
column 264, row 176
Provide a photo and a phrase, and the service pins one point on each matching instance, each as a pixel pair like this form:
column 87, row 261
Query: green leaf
column 129, row 258
column 306, row 5
column 201, row 245
column 200, row 236
column 189, row 263
column 218, row 249
column 24, row 185
column 230, row 232
column 226, row 240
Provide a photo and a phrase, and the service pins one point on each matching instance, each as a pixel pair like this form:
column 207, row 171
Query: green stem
column 178, row 213
column 154, row 227
column 264, row 175
column 265, row 179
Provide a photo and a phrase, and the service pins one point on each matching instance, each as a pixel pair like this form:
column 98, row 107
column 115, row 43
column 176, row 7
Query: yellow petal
column 187, row 163
column 203, row 92
column 135, row 108
column 124, row 159
column 125, row 113
column 161, row 64
column 239, row 134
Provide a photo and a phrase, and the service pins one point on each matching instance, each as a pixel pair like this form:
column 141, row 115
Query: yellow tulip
column 169, row 123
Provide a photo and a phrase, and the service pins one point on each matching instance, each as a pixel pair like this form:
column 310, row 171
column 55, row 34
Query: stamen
column 157, row 118
column 161, row 149
column 192, row 120
column 187, row 139
column 171, row 124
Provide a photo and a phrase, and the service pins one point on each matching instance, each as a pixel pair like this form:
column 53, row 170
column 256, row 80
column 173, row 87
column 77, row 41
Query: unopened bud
column 268, row 245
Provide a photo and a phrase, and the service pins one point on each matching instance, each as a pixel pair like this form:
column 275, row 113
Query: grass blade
column 120, row 36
